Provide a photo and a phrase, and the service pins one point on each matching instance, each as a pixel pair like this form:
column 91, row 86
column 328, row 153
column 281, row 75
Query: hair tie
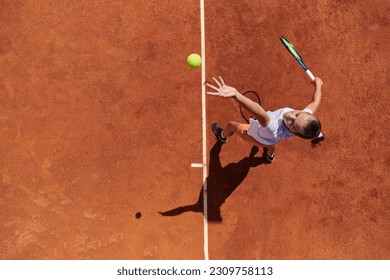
column 319, row 134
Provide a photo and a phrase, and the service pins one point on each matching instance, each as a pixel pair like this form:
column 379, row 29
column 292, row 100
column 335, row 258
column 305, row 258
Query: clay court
column 101, row 121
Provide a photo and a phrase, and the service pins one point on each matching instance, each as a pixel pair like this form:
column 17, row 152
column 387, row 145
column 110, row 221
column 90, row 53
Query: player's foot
column 217, row 130
column 270, row 157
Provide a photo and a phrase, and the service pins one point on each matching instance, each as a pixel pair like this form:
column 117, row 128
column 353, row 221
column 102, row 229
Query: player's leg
column 232, row 127
column 242, row 130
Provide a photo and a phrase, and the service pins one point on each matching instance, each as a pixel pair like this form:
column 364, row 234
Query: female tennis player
column 267, row 129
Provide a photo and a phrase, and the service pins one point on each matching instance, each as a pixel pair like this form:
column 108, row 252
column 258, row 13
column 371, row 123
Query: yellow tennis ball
column 194, row 60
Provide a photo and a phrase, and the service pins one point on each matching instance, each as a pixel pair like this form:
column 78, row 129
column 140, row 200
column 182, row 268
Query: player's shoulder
column 281, row 111
column 307, row 110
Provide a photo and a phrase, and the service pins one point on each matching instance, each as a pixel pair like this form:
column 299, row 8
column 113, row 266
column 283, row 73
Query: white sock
column 222, row 135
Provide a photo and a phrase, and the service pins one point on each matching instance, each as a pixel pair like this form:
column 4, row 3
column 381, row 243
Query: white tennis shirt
column 275, row 131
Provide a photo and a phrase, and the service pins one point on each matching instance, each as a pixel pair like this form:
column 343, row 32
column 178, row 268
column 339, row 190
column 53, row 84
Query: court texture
column 106, row 150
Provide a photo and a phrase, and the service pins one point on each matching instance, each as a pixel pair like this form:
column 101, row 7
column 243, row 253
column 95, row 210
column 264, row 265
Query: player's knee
column 232, row 125
column 242, row 130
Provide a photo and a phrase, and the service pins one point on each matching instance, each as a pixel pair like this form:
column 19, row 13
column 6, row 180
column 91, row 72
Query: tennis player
column 267, row 129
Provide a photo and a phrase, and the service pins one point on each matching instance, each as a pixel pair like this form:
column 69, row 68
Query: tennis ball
column 194, row 60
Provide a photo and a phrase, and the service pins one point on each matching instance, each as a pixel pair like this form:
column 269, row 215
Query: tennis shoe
column 270, row 158
column 217, row 130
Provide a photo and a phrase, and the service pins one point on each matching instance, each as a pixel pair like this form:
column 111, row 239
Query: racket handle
column 310, row 74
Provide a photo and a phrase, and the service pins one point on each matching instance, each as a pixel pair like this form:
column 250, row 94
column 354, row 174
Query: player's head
column 303, row 124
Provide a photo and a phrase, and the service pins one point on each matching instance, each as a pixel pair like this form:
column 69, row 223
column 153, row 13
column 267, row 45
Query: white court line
column 197, row 165
column 204, row 143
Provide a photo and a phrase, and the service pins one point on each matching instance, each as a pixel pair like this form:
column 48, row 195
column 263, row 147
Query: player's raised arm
column 229, row 92
column 316, row 96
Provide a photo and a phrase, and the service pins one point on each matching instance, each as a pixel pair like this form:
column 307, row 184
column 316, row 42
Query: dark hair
column 312, row 130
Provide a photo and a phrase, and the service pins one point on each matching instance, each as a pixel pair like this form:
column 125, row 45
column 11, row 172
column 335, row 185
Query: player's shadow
column 221, row 183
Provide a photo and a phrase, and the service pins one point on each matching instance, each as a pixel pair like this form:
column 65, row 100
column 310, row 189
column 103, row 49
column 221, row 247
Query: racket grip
column 310, row 74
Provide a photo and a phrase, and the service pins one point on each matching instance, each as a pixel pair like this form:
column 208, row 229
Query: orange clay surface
column 101, row 118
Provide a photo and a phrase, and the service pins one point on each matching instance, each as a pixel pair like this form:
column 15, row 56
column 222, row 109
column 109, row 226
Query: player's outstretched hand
column 221, row 89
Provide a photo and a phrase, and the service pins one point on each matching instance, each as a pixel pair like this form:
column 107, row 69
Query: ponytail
column 319, row 138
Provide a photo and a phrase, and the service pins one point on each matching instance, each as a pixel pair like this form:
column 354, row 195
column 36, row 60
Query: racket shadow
column 221, row 183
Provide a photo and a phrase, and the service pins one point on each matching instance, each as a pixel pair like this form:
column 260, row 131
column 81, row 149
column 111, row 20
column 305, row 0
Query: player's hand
column 318, row 82
column 221, row 89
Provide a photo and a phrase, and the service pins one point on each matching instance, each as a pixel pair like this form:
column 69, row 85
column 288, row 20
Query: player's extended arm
column 316, row 96
column 227, row 91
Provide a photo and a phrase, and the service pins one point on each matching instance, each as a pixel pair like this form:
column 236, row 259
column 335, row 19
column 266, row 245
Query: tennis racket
column 296, row 55
column 252, row 95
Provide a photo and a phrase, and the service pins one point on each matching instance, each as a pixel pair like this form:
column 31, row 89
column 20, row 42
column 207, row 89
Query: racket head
column 254, row 96
column 294, row 52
